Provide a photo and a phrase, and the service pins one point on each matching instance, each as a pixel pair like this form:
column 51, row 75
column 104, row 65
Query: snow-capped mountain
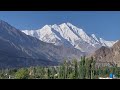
column 69, row 35
column 49, row 45
column 20, row 50
column 107, row 43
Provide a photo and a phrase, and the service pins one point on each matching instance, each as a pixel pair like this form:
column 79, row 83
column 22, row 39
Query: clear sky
column 104, row 24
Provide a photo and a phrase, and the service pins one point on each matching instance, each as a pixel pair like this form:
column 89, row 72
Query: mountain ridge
column 20, row 50
column 69, row 35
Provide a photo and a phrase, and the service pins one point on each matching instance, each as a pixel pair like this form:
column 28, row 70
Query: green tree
column 82, row 69
column 75, row 69
column 48, row 73
column 92, row 68
column 87, row 68
column 22, row 74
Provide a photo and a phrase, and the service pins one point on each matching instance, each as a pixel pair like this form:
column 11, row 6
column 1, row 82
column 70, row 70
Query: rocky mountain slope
column 18, row 49
column 108, row 55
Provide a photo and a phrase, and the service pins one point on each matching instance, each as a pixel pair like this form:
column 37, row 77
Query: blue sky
column 104, row 24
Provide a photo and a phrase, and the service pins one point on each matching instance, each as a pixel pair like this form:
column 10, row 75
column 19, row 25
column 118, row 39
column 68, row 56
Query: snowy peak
column 47, row 34
column 107, row 43
column 74, row 33
column 80, row 33
column 93, row 36
column 69, row 24
column 46, row 27
column 69, row 35
column 45, row 30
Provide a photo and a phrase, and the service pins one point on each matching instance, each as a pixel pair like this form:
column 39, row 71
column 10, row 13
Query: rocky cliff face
column 108, row 55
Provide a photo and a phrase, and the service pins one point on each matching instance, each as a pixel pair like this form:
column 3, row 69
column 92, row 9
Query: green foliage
column 22, row 74
column 83, row 69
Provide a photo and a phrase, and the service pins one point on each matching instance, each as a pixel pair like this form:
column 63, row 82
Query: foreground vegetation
column 83, row 69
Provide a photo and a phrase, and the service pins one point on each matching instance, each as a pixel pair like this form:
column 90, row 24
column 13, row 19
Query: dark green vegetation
column 83, row 69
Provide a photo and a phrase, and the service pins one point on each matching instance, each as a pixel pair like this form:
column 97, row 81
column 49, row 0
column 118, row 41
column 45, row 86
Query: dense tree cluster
column 83, row 69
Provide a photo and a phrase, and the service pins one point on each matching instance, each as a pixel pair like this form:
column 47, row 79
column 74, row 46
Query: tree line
column 83, row 69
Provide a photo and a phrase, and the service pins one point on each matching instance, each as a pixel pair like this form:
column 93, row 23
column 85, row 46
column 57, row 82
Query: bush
column 22, row 74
